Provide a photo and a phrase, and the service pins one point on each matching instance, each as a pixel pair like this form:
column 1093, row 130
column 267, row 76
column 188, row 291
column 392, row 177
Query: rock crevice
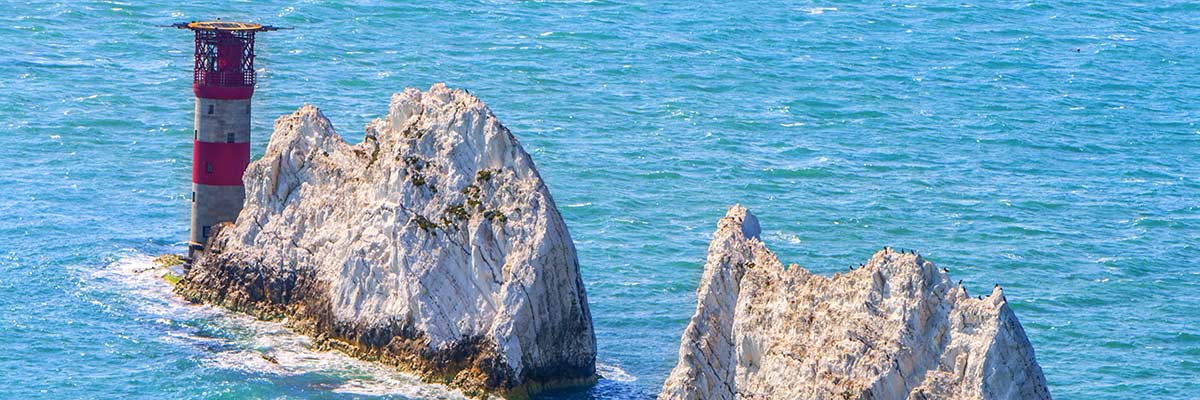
column 433, row 245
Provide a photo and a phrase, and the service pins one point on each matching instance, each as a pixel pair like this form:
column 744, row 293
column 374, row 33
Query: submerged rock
column 896, row 328
column 433, row 245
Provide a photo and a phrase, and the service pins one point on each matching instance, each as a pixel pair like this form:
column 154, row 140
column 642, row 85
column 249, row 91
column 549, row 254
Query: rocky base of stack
column 894, row 328
column 298, row 299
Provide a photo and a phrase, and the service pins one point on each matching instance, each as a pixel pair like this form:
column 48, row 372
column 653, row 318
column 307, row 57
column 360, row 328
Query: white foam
column 614, row 373
column 819, row 10
column 248, row 345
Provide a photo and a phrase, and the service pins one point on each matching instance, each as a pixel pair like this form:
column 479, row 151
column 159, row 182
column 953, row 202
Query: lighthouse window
column 195, row 134
column 208, row 167
column 193, row 196
column 207, row 229
column 210, row 108
column 229, row 137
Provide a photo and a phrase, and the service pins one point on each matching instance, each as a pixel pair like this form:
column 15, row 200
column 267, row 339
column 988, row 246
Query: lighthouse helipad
column 223, row 81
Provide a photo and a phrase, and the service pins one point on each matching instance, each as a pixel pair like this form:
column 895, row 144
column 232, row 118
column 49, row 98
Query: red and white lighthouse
column 223, row 81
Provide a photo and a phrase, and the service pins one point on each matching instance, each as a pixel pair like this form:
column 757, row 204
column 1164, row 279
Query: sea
column 1050, row 147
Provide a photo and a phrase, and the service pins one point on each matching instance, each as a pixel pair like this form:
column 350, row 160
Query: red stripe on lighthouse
column 219, row 164
column 222, row 92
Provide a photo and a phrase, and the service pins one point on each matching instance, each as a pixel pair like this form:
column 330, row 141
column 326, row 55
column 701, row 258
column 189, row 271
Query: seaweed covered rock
column 432, row 245
column 896, row 328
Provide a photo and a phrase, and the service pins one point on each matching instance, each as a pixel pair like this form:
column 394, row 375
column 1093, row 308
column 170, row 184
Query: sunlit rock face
column 895, row 328
column 433, row 245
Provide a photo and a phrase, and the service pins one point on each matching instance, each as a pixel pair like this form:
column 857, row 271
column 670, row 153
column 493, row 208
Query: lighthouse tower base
column 213, row 205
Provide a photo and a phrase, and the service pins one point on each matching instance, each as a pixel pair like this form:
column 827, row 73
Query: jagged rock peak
column 896, row 328
column 433, row 245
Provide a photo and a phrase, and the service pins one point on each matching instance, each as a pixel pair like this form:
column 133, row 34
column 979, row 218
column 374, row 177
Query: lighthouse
column 223, row 82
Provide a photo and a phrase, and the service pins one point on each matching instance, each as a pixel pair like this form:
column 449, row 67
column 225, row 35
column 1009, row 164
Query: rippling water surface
column 1050, row 147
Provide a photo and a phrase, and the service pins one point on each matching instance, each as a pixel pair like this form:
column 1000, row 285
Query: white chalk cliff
column 433, row 245
column 896, row 328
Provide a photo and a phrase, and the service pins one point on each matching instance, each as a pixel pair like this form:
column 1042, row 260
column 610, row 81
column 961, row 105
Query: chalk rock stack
column 433, row 245
column 897, row 328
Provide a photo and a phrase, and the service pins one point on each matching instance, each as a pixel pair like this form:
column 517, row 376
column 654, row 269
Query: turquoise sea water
column 1050, row 147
